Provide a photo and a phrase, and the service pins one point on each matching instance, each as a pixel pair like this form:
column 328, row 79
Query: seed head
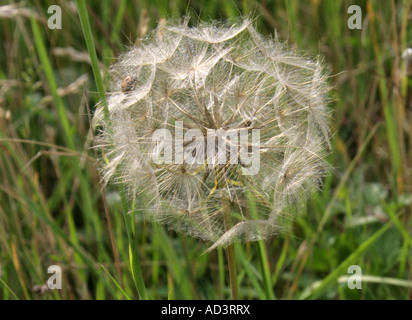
column 226, row 84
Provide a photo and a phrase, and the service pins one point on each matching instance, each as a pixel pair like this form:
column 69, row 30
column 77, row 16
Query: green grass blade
column 116, row 284
column 333, row 277
column 9, row 289
column 88, row 36
column 134, row 261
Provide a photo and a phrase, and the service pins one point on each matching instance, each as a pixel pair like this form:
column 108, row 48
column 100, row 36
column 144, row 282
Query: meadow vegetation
column 54, row 211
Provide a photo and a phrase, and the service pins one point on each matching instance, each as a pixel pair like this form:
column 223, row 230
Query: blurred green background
column 52, row 211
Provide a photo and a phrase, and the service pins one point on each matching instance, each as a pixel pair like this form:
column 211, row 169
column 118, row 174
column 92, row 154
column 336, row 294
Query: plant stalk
column 231, row 257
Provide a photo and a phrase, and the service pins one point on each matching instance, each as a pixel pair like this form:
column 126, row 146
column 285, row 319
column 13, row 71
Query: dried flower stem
column 231, row 256
column 230, row 250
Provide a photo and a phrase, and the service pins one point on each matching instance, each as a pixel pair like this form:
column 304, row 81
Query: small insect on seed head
column 128, row 84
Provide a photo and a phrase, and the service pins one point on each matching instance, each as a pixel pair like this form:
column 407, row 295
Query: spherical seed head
column 228, row 84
